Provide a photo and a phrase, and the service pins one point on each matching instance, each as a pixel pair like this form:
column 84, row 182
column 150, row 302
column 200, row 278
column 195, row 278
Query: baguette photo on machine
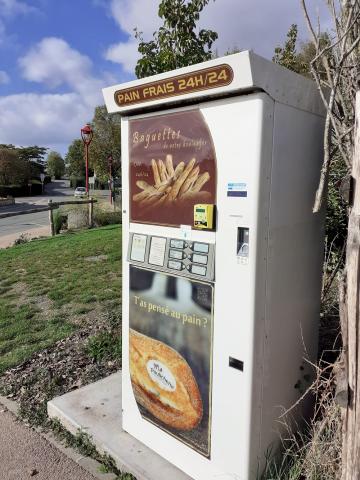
column 172, row 185
column 163, row 383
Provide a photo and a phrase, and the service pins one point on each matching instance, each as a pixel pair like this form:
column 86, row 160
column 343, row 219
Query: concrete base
column 96, row 409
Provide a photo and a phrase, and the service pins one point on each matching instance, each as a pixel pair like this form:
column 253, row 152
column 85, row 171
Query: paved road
column 58, row 190
column 24, row 455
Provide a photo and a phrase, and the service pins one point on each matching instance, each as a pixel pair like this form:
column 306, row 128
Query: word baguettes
column 205, row 79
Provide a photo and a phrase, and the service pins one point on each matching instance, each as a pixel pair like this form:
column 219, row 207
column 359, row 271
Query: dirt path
column 25, row 455
column 8, row 240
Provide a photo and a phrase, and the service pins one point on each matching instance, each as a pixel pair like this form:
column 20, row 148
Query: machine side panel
column 295, row 254
column 242, row 131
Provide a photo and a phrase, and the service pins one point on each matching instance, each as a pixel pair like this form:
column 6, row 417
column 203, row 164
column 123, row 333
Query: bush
column 337, row 209
column 77, row 182
column 23, row 238
column 60, row 221
column 20, row 190
column 315, row 452
column 102, row 218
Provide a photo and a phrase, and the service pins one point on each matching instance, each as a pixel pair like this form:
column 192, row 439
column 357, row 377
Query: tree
column 287, row 56
column 33, row 154
column 296, row 60
column 176, row 44
column 13, row 169
column 106, row 143
column 299, row 60
column 55, row 165
column 232, row 50
column 336, row 70
column 74, row 159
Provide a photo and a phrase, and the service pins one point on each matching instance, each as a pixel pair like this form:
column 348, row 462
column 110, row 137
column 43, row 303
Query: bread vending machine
column 222, row 258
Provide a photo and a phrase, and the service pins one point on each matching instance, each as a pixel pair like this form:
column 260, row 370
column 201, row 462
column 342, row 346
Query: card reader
column 204, row 216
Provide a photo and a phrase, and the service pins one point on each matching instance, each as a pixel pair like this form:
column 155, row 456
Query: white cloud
column 4, row 77
column 125, row 53
column 53, row 62
column 140, row 14
column 28, row 118
column 260, row 25
column 51, row 118
column 130, row 14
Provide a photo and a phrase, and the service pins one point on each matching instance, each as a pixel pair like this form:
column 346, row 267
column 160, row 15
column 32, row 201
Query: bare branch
column 340, row 61
column 309, row 24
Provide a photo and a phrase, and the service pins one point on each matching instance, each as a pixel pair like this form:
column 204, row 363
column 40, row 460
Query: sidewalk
column 8, row 240
column 24, row 455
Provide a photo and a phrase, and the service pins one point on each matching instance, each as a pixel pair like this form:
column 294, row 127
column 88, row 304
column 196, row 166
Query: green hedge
column 20, row 190
column 77, row 182
column 106, row 218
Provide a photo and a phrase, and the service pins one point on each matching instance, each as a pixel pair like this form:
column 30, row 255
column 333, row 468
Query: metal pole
column 51, row 218
column 91, row 212
column 87, row 167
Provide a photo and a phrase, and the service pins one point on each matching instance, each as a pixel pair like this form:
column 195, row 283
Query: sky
column 57, row 55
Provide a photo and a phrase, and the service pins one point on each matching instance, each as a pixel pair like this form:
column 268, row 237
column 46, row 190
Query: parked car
column 80, row 192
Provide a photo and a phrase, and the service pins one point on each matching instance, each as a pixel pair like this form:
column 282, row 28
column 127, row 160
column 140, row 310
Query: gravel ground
column 24, row 455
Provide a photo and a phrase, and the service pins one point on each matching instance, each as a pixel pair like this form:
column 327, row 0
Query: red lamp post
column 87, row 135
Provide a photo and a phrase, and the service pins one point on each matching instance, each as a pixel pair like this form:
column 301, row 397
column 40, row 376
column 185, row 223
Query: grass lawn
column 48, row 287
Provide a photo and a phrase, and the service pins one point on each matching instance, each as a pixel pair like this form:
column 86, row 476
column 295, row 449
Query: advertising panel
column 172, row 168
column 171, row 354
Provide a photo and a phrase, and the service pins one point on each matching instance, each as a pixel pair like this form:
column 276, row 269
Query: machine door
column 171, row 262
column 170, row 354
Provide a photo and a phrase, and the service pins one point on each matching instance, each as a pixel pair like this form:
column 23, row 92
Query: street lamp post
column 87, row 135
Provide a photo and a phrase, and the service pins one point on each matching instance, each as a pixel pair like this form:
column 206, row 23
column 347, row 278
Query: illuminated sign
column 205, row 79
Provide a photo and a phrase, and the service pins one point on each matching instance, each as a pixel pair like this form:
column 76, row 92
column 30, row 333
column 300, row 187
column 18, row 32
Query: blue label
column 236, row 194
column 236, row 189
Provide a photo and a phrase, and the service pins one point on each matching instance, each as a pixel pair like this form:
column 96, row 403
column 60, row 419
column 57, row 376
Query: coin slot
column 237, row 364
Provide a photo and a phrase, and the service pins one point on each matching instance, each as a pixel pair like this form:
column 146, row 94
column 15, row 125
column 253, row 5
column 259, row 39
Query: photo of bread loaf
column 163, row 383
column 172, row 186
column 170, row 355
